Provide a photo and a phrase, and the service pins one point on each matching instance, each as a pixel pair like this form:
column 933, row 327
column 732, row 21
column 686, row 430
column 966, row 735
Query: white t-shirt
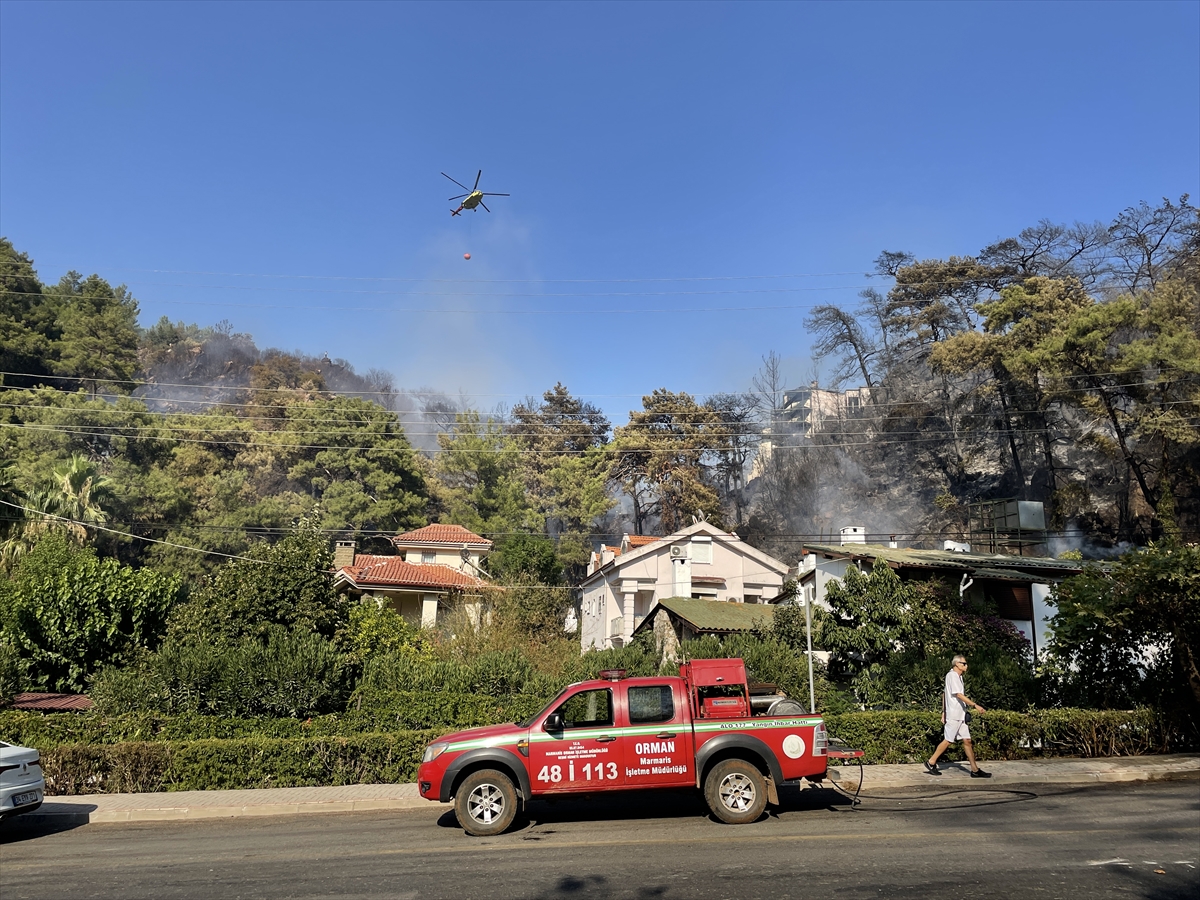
column 956, row 710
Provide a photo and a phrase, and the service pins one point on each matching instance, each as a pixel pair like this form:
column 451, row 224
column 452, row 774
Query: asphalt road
column 1139, row 840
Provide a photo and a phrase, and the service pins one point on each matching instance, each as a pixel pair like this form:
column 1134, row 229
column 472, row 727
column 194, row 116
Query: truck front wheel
column 735, row 791
column 486, row 803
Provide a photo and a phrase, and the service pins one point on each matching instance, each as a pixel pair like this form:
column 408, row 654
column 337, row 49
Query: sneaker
column 979, row 773
column 932, row 769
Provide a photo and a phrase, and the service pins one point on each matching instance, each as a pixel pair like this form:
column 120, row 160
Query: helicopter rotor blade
column 477, row 177
column 459, row 183
column 496, row 195
column 459, row 197
column 484, row 205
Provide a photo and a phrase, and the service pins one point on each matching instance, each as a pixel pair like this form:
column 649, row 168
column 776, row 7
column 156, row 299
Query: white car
column 22, row 785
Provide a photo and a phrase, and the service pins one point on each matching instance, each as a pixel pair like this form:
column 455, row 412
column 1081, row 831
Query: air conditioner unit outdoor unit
column 679, row 552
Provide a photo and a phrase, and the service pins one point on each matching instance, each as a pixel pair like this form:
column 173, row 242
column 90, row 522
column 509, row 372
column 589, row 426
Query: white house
column 701, row 562
column 1020, row 586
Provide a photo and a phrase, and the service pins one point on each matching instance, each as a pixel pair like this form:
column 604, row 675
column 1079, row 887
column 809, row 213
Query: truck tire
column 735, row 791
column 486, row 803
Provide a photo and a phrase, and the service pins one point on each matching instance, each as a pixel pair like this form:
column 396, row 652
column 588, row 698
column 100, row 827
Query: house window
column 751, row 598
column 701, row 551
column 428, row 557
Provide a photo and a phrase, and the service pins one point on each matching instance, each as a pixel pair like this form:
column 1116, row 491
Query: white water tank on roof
column 854, row 534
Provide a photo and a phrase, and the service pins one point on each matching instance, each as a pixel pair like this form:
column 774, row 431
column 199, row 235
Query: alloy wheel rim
column 737, row 792
column 486, row 804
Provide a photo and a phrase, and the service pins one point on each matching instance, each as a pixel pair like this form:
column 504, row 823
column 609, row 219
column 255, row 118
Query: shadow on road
column 30, row 826
column 663, row 804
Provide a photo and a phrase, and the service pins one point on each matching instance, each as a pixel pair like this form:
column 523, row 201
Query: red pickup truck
column 707, row 729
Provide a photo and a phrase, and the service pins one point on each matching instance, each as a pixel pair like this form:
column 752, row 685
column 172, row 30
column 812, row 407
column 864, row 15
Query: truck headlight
column 433, row 751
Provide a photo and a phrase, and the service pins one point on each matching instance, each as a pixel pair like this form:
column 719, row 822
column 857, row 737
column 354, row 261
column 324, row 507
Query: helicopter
column 474, row 196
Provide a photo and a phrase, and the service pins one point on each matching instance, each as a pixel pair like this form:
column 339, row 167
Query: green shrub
column 400, row 711
column 171, row 756
column 897, row 736
column 496, row 673
column 11, row 673
column 376, row 628
column 292, row 674
column 234, row 764
column 998, row 680
column 285, row 585
column 69, row 612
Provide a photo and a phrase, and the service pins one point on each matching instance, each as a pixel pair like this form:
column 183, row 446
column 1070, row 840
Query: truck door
column 577, row 748
column 658, row 739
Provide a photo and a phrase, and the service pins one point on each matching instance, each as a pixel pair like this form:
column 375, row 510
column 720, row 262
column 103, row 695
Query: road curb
column 1097, row 771
column 79, row 813
column 200, row 805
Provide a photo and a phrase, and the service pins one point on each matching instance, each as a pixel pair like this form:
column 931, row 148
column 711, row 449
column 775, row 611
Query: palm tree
column 70, row 503
column 80, row 492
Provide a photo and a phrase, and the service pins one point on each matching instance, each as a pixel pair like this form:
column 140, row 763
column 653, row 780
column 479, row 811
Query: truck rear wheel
column 486, row 803
column 735, row 791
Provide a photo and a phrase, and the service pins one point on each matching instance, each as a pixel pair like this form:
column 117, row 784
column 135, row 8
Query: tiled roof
column 714, row 616
column 641, row 540
column 392, row 571
column 441, row 534
column 43, row 702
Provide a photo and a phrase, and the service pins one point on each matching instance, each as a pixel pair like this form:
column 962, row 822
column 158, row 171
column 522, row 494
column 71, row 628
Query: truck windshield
column 548, row 706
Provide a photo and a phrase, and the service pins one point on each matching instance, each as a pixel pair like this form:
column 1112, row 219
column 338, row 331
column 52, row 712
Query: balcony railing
column 616, row 628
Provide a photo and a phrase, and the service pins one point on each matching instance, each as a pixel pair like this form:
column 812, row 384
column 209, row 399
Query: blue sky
column 667, row 164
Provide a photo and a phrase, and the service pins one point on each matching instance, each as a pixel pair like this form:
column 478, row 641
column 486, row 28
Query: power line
column 45, row 515
column 136, row 383
column 522, row 427
column 931, row 437
column 488, row 280
column 253, row 530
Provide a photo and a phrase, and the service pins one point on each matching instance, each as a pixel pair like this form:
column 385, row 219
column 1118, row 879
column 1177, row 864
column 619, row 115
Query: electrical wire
column 489, row 280
column 45, row 515
column 934, row 437
column 136, row 383
column 506, row 426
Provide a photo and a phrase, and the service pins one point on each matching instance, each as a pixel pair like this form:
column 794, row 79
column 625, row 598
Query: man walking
column 954, row 720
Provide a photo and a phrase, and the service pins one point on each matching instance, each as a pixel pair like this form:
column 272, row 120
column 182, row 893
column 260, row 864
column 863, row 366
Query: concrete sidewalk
column 176, row 805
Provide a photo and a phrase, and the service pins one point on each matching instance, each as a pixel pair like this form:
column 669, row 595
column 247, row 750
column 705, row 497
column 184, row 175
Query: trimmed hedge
column 229, row 764
column 93, row 754
column 904, row 736
column 403, row 712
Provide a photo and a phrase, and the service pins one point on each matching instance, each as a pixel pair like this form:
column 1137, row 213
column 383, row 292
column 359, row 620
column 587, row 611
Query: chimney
column 343, row 554
column 854, row 534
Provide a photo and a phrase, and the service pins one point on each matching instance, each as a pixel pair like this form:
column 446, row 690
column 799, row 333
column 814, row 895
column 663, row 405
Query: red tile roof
column 392, row 571
column 44, row 702
column 441, row 534
column 641, row 540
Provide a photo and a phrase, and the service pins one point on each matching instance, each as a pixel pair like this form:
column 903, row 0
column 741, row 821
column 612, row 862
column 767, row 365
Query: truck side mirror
column 554, row 722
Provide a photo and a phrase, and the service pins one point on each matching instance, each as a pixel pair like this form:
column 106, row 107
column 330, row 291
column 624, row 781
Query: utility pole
column 812, row 688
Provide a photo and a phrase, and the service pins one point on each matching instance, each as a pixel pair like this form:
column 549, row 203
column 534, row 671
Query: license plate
column 22, row 799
